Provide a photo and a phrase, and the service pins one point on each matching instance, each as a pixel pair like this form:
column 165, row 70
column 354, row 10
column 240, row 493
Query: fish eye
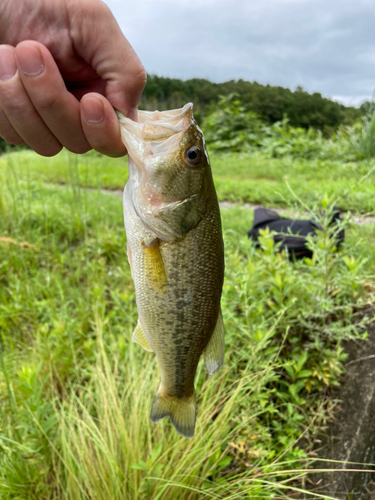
column 193, row 155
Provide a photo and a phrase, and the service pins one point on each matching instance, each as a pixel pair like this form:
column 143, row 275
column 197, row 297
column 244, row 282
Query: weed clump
column 234, row 128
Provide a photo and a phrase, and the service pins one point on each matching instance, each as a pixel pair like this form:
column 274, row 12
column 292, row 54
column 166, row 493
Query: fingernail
column 8, row 67
column 30, row 60
column 93, row 110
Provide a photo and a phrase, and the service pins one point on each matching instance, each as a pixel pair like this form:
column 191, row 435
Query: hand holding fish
column 64, row 66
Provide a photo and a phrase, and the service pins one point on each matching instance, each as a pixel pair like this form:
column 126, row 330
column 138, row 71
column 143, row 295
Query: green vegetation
column 270, row 103
column 75, row 392
column 252, row 162
column 363, row 136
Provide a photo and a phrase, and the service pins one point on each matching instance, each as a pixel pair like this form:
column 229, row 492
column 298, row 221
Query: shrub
column 362, row 135
column 234, row 128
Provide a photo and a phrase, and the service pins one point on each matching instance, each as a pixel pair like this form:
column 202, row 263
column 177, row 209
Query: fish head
column 169, row 170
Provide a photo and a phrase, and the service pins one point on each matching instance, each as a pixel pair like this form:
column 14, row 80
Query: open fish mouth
column 172, row 116
column 155, row 133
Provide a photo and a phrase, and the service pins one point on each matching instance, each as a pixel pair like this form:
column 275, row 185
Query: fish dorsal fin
column 214, row 352
column 139, row 337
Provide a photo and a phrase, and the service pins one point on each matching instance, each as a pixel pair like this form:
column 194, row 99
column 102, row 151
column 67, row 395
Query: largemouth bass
column 176, row 255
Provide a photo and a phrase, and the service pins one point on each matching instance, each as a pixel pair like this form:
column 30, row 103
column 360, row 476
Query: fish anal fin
column 214, row 352
column 181, row 412
column 139, row 337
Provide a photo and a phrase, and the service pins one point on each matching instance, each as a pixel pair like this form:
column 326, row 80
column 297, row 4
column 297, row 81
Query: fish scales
column 175, row 250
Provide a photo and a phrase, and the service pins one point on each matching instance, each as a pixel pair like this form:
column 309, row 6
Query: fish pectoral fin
column 214, row 352
column 154, row 267
column 139, row 337
column 181, row 412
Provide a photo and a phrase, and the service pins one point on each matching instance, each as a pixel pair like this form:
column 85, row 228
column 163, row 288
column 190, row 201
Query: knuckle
column 140, row 73
column 47, row 101
column 13, row 107
column 138, row 77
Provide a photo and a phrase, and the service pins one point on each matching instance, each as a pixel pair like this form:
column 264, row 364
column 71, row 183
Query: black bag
column 295, row 245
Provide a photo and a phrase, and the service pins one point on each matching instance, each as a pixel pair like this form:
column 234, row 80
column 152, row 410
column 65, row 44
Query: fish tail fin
column 181, row 412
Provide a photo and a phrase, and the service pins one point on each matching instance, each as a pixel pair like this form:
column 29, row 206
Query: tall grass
column 363, row 136
column 255, row 177
column 75, row 392
column 110, row 449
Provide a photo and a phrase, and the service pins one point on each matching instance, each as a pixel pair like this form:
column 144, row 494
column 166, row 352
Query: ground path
column 363, row 219
column 357, row 219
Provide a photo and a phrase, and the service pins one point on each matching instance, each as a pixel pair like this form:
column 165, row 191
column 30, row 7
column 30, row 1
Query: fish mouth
column 155, row 131
column 169, row 116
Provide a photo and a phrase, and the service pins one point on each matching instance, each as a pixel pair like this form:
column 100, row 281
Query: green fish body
column 176, row 254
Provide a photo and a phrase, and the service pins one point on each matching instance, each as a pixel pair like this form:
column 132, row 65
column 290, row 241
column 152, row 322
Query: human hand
column 64, row 66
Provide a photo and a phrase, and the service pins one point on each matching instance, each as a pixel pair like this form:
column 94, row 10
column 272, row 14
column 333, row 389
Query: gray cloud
column 324, row 45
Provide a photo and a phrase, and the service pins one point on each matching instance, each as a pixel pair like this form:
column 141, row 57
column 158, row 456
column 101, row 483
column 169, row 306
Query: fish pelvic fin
column 181, row 412
column 139, row 337
column 214, row 352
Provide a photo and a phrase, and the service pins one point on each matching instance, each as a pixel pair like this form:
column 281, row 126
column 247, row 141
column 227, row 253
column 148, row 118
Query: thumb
column 101, row 43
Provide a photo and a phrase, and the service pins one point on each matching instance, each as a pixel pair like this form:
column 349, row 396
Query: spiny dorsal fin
column 181, row 412
column 214, row 352
column 139, row 337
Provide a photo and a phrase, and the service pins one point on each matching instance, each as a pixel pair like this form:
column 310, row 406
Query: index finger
column 101, row 125
column 105, row 48
column 57, row 107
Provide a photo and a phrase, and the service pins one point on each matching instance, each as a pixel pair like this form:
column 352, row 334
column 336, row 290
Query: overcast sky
column 324, row 45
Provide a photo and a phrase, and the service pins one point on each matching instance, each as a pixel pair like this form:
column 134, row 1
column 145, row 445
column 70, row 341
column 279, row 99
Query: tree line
column 269, row 102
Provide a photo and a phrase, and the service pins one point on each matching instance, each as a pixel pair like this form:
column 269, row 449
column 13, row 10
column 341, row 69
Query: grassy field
column 75, row 392
column 239, row 177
